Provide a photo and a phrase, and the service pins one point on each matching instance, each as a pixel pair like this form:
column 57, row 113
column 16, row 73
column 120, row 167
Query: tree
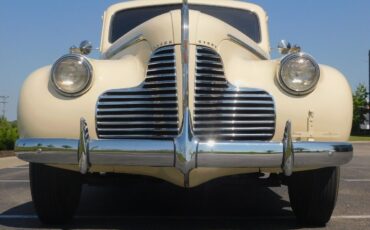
column 8, row 134
column 360, row 107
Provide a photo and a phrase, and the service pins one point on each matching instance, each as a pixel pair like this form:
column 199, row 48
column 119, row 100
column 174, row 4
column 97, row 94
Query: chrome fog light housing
column 299, row 73
column 71, row 75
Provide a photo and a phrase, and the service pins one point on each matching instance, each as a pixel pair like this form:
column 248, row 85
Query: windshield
column 243, row 20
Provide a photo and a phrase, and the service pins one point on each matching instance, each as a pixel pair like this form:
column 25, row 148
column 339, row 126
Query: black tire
column 55, row 193
column 313, row 195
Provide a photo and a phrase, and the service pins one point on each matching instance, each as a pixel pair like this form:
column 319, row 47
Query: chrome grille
column 146, row 111
column 223, row 111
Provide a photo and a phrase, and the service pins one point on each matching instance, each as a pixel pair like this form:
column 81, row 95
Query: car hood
column 203, row 30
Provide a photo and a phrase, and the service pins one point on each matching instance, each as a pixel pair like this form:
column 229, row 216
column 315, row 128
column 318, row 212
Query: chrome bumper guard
column 287, row 155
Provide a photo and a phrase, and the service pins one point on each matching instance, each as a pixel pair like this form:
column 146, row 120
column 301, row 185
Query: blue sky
column 36, row 33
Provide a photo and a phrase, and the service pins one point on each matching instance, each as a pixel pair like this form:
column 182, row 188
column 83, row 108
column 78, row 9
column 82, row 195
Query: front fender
column 323, row 115
column 44, row 113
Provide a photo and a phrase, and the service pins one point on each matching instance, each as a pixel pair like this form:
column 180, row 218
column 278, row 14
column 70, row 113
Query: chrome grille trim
column 142, row 116
column 147, row 111
column 225, row 112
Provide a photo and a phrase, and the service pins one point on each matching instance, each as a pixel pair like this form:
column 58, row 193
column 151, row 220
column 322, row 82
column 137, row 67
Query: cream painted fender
column 44, row 113
column 323, row 115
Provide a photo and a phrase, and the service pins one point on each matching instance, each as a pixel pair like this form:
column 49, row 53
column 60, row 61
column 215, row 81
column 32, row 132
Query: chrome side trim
column 116, row 49
column 256, row 51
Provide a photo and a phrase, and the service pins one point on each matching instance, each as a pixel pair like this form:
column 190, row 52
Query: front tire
column 313, row 195
column 55, row 193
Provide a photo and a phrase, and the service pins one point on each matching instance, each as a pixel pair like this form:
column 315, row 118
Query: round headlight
column 72, row 75
column 299, row 73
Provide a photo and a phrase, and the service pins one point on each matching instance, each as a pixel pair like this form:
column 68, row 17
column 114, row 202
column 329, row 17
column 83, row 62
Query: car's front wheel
column 313, row 195
column 55, row 193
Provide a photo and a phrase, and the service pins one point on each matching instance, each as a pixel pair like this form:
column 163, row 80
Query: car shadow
column 218, row 205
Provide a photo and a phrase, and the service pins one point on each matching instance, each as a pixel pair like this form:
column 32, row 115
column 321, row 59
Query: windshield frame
column 257, row 38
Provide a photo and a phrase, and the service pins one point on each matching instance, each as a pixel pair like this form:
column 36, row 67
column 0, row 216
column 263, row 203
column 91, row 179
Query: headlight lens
column 299, row 73
column 72, row 75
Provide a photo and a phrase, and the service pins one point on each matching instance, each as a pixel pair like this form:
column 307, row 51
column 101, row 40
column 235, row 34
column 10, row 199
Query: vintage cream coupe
column 185, row 92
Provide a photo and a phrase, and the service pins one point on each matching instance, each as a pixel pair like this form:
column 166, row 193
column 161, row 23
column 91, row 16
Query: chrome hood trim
column 185, row 53
column 186, row 142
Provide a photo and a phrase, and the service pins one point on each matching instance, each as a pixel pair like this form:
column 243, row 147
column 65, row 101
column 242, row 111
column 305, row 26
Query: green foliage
column 8, row 134
column 359, row 138
column 359, row 107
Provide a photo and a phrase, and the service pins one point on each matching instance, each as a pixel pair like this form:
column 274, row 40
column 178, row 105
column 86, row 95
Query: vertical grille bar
column 225, row 112
column 147, row 111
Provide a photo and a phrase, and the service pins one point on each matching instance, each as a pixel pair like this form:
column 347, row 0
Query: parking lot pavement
column 140, row 207
column 6, row 162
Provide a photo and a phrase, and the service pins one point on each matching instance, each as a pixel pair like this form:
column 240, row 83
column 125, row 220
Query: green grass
column 359, row 138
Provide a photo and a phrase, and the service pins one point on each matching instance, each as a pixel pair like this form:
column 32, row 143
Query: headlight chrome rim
column 291, row 57
column 89, row 69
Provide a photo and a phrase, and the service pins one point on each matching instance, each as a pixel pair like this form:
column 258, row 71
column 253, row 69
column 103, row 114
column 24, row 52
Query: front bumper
column 158, row 153
column 287, row 155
